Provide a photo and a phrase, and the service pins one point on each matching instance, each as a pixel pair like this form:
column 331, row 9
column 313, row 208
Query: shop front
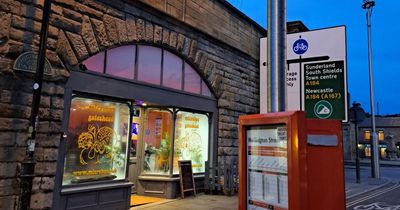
column 133, row 112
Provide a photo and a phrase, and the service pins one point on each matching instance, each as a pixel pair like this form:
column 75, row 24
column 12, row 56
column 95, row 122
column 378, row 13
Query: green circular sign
column 323, row 109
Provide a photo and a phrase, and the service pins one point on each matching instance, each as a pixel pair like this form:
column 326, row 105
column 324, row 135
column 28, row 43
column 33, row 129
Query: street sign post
column 316, row 74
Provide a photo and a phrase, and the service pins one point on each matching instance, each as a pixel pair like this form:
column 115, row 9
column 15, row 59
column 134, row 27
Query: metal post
column 375, row 171
column 276, row 55
column 357, row 115
column 357, row 154
column 28, row 164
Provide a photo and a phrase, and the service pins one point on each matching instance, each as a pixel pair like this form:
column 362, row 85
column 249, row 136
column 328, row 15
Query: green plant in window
column 195, row 155
column 163, row 152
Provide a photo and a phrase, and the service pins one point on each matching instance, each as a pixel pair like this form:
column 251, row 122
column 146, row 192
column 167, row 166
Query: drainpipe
column 28, row 164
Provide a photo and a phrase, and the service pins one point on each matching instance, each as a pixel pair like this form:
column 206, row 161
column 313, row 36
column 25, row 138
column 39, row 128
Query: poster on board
column 267, row 168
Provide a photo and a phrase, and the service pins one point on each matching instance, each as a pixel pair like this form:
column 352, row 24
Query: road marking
column 377, row 206
column 397, row 185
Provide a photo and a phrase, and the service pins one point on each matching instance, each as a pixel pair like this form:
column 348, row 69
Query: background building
column 388, row 130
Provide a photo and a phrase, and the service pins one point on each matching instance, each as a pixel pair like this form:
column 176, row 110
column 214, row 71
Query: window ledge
column 102, row 186
column 165, row 179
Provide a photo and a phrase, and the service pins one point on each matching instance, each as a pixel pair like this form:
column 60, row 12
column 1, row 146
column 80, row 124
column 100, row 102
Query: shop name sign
column 28, row 61
column 316, row 74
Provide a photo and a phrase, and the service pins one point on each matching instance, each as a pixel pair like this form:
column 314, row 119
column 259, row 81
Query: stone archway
column 97, row 35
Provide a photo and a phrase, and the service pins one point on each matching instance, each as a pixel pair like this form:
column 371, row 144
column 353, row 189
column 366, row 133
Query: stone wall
column 216, row 19
column 79, row 29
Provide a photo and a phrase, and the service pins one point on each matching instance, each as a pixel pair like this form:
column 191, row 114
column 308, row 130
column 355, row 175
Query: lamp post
column 375, row 172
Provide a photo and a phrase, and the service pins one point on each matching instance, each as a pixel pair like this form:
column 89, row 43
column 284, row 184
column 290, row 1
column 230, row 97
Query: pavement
column 221, row 202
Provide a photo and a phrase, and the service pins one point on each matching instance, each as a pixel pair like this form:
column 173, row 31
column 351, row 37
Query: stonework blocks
column 111, row 29
column 8, row 202
column 131, row 28
column 88, row 36
column 64, row 49
column 140, row 29
column 78, row 45
column 41, row 200
column 101, row 35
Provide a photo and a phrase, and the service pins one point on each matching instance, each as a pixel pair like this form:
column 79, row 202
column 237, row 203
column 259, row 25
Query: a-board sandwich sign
column 316, row 78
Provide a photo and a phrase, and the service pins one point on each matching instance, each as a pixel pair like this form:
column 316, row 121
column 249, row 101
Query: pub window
column 381, row 135
column 367, row 135
column 191, row 140
column 97, row 141
column 157, row 141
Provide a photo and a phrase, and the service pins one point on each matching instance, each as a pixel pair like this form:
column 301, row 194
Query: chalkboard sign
column 186, row 176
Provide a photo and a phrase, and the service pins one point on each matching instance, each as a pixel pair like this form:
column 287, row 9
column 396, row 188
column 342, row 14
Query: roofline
column 258, row 26
column 242, row 15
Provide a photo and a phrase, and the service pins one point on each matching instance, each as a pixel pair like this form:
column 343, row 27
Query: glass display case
column 97, row 141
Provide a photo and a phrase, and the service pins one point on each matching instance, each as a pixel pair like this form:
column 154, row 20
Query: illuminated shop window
column 96, row 147
column 383, row 152
column 367, row 135
column 367, row 151
column 381, row 135
column 153, row 65
column 157, row 141
column 191, row 140
column 135, row 132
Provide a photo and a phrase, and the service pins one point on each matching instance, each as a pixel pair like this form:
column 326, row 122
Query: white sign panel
column 267, row 171
column 309, row 48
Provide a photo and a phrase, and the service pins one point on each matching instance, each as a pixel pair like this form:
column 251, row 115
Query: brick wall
column 79, row 29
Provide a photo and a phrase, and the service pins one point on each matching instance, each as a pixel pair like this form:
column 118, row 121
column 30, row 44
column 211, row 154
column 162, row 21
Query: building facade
column 388, row 134
column 132, row 88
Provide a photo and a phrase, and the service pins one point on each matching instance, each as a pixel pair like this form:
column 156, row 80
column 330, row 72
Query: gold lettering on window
column 96, row 143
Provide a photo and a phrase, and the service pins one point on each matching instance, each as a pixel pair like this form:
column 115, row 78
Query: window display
column 157, row 141
column 97, row 141
column 191, row 140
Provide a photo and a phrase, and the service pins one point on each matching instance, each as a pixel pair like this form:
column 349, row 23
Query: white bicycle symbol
column 300, row 46
column 377, row 206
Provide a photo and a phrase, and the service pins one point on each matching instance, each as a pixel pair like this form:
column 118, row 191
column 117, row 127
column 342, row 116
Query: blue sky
column 385, row 38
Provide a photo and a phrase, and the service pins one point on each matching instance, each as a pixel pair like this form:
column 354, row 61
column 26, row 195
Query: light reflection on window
column 149, row 64
column 121, row 61
column 153, row 65
column 95, row 63
column 172, row 71
column 192, row 80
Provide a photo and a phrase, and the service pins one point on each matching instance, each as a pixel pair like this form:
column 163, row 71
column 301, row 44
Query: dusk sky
column 385, row 39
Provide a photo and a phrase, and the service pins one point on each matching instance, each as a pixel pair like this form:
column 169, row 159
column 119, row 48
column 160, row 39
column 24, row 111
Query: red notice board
column 272, row 174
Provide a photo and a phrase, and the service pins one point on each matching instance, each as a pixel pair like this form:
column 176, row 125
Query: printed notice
column 267, row 168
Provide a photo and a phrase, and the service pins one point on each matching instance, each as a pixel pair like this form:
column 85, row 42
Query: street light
column 368, row 5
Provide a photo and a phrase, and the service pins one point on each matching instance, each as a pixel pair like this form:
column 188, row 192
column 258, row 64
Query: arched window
column 148, row 64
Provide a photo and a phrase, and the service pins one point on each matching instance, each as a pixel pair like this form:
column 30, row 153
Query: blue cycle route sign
column 300, row 46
